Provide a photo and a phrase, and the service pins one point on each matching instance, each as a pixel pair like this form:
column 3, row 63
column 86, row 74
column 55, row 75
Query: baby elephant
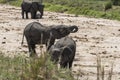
column 63, row 51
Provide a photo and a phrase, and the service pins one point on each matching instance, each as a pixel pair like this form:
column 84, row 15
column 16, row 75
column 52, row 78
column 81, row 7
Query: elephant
column 36, row 33
column 32, row 8
column 63, row 51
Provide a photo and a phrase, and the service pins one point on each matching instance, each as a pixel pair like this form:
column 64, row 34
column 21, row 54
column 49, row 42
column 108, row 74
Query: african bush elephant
column 63, row 51
column 32, row 8
column 36, row 33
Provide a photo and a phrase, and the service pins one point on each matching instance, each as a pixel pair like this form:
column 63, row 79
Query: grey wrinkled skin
column 32, row 8
column 36, row 33
column 63, row 51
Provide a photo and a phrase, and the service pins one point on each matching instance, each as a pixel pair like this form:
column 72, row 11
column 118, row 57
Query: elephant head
column 37, row 7
column 63, row 30
column 61, row 54
column 55, row 53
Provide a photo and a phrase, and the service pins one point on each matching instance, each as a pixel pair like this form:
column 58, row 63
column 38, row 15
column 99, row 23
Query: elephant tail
column 22, row 40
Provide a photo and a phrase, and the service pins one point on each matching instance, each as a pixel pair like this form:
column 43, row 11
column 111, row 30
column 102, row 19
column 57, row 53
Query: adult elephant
column 36, row 33
column 32, row 7
column 63, row 51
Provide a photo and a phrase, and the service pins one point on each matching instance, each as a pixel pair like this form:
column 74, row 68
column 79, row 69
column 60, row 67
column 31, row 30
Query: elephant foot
column 40, row 16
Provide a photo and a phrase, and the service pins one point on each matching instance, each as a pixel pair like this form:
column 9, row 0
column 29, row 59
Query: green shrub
column 12, row 2
column 115, row 2
column 56, row 8
column 6, row 1
column 108, row 5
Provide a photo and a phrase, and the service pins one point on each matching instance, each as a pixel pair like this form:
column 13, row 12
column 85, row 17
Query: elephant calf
column 37, row 33
column 63, row 51
column 32, row 8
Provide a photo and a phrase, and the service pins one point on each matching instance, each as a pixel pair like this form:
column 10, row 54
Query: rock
column 3, row 42
column 4, row 37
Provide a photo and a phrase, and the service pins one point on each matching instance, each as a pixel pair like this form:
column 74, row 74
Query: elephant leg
column 70, row 64
column 22, row 14
column 26, row 15
column 32, row 50
column 48, row 47
column 34, row 16
column 31, row 47
column 41, row 9
column 31, row 15
column 50, row 43
column 63, row 65
column 41, row 14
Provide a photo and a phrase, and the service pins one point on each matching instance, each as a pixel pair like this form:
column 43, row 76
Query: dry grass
column 101, row 70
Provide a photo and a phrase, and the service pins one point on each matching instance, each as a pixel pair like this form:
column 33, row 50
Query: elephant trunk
column 73, row 29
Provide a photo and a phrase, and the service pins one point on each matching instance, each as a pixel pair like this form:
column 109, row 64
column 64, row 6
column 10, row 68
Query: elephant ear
column 73, row 29
column 55, row 33
column 66, row 53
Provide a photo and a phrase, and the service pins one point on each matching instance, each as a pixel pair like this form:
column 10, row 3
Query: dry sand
column 95, row 36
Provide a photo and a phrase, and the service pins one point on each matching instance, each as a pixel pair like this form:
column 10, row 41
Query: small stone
column 118, row 29
column 3, row 42
column 4, row 37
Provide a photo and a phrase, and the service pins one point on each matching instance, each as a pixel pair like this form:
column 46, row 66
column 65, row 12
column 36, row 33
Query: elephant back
column 34, row 25
column 30, row 1
column 66, row 41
